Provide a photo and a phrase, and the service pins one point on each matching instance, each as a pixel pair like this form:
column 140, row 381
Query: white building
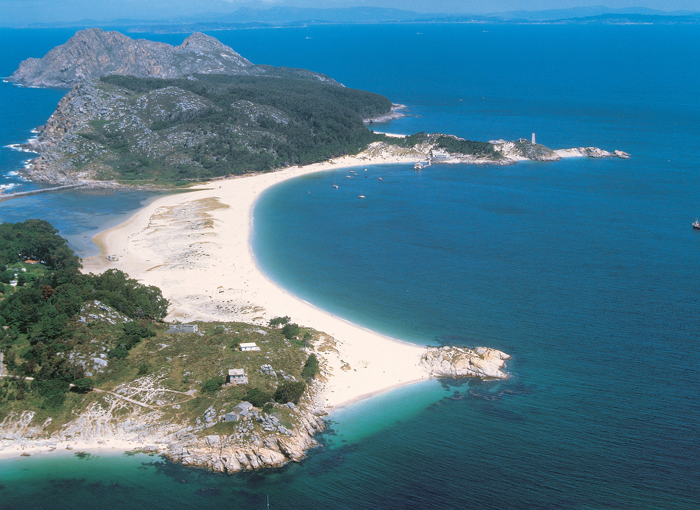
column 236, row 376
column 439, row 154
column 249, row 346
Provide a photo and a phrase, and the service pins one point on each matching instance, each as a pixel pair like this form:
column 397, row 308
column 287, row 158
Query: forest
column 39, row 325
column 255, row 124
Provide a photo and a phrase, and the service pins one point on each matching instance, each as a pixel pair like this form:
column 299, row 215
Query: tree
column 279, row 321
column 83, row 385
column 290, row 392
column 213, row 384
column 291, row 330
column 311, row 368
column 258, row 397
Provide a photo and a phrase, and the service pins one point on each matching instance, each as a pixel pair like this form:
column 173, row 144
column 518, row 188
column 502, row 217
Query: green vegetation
column 290, row 392
column 242, row 124
column 291, row 330
column 311, row 368
column 279, row 321
column 213, row 384
column 455, row 145
column 68, row 333
column 40, row 317
column 258, row 397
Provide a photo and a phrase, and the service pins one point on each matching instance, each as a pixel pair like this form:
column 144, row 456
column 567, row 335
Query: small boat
column 380, row 178
column 696, row 224
column 348, row 176
column 335, row 186
column 362, row 196
column 365, row 169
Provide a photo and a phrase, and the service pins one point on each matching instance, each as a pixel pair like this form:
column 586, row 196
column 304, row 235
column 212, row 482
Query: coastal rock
column 590, row 152
column 93, row 53
column 126, row 420
column 481, row 362
column 522, row 150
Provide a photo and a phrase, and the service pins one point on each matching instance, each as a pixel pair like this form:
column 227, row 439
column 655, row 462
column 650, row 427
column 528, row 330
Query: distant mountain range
column 295, row 16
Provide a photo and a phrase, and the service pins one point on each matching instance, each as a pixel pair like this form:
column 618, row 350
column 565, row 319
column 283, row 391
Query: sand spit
column 196, row 248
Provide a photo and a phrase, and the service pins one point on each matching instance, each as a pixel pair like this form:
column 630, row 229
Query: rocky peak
column 92, row 53
column 202, row 42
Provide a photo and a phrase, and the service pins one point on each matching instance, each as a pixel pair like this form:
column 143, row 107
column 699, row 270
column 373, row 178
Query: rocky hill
column 93, row 53
column 169, row 131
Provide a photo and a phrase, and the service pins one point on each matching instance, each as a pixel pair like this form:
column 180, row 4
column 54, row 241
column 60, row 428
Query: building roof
column 248, row 344
column 236, row 371
column 243, row 406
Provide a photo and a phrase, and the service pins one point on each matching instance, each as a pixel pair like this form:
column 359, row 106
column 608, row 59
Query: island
column 171, row 340
column 142, row 112
column 89, row 364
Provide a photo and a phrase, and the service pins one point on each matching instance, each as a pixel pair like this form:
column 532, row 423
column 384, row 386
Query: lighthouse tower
column 533, row 138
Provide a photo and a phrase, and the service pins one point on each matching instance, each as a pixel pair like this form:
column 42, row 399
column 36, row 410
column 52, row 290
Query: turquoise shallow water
column 582, row 269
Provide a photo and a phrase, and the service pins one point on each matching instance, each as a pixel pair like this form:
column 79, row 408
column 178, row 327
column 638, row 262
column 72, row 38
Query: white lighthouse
column 533, row 138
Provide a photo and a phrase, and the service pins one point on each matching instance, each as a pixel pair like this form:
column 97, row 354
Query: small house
column 242, row 410
column 249, row 346
column 439, row 154
column 236, row 376
column 182, row 328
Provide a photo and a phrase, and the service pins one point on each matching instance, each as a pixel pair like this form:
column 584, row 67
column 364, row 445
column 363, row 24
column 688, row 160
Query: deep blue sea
column 583, row 270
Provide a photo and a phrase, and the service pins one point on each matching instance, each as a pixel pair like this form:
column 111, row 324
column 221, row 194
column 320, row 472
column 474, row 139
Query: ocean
column 581, row 269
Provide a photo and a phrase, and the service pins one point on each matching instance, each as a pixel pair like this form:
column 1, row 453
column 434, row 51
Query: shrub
column 213, row 384
column 7, row 276
column 119, row 352
column 83, row 385
column 53, row 391
column 291, row 330
column 258, row 397
column 290, row 392
column 311, row 368
column 144, row 368
column 279, row 321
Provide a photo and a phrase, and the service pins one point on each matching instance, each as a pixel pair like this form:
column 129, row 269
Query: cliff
column 93, row 53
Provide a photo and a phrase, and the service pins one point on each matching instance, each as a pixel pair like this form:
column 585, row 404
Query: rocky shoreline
column 255, row 442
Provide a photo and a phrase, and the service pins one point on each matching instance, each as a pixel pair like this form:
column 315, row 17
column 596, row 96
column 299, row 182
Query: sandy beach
column 196, row 247
column 32, row 447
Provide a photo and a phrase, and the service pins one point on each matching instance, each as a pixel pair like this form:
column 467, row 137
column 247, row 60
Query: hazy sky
column 27, row 11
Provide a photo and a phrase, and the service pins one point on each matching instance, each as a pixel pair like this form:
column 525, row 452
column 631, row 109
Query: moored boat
column 696, row 224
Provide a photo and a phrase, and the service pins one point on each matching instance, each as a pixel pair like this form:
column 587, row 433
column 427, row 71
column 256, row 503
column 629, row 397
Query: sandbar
column 196, row 248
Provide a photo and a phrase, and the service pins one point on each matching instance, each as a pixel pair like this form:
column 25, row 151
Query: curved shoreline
column 197, row 248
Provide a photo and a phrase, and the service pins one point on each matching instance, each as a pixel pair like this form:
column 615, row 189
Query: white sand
column 15, row 449
column 195, row 247
column 390, row 135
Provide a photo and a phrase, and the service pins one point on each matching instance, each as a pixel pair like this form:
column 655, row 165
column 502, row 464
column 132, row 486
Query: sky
column 18, row 12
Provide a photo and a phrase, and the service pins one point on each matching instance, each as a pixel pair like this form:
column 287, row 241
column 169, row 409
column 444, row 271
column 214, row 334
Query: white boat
column 362, row 196
column 335, row 186
column 696, row 224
